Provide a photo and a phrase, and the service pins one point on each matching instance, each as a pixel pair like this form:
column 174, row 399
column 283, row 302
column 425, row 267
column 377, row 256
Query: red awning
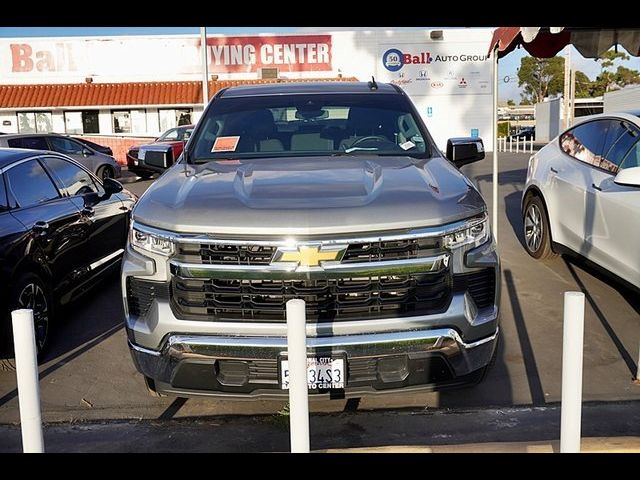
column 544, row 42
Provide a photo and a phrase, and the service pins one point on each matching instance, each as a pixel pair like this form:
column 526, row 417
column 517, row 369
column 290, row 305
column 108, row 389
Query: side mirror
column 111, row 186
column 628, row 177
column 86, row 152
column 464, row 150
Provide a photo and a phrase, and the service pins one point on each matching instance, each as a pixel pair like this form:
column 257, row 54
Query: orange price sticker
column 225, row 144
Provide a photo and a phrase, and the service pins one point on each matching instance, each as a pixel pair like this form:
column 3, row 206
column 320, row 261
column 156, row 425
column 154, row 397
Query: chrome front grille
column 331, row 299
column 224, row 254
column 377, row 250
column 390, row 274
column 382, row 250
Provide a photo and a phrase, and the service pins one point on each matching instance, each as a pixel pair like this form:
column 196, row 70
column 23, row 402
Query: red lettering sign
column 288, row 53
column 21, row 57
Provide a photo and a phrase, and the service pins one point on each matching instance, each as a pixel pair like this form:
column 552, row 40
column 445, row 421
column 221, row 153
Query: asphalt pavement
column 88, row 377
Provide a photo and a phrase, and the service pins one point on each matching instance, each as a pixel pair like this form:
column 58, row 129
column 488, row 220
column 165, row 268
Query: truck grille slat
column 141, row 293
column 481, row 286
column 326, row 299
column 251, row 254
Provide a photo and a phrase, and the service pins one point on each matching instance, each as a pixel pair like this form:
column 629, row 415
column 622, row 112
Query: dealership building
column 123, row 89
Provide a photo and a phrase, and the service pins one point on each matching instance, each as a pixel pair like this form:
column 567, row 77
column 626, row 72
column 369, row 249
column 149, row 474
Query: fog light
column 233, row 373
column 393, row 369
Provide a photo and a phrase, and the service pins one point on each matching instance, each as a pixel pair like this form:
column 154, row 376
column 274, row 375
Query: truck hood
column 310, row 196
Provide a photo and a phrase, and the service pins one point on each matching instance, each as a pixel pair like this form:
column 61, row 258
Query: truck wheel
column 537, row 234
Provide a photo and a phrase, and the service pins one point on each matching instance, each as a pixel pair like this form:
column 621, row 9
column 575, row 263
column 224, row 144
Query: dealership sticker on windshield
column 225, row 144
column 407, row 145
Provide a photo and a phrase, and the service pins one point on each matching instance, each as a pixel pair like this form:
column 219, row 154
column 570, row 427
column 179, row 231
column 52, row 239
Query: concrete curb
column 588, row 445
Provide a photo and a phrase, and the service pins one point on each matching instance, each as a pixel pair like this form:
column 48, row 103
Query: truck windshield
column 308, row 125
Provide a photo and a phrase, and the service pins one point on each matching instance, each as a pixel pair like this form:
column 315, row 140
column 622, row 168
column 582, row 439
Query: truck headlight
column 473, row 234
column 151, row 242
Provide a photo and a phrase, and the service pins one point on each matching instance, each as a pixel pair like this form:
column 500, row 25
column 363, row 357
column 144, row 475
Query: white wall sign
column 436, row 68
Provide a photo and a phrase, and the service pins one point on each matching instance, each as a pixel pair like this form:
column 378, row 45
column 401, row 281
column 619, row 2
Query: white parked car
column 583, row 193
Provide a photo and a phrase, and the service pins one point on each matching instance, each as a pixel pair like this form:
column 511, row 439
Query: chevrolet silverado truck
column 333, row 193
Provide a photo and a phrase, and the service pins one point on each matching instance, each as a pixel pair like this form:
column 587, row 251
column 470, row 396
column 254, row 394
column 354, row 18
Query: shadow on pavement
column 629, row 296
column 533, row 377
column 81, row 326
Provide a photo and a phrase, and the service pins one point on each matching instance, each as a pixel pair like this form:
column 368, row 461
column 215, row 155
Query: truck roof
column 306, row 88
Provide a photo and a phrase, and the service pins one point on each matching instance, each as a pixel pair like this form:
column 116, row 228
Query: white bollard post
column 531, row 149
column 298, row 389
column 517, row 144
column 510, row 144
column 24, row 341
column 638, row 371
column 572, row 347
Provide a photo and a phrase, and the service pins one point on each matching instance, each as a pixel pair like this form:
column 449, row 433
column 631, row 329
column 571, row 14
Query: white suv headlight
column 472, row 235
column 151, row 242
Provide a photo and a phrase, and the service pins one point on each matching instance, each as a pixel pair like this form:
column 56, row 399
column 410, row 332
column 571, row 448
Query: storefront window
column 139, row 121
column 174, row 117
column 121, row 121
column 34, row 122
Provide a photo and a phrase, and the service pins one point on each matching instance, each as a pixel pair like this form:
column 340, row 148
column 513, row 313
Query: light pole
column 205, row 67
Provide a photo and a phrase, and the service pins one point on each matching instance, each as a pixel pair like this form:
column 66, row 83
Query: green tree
column 541, row 77
column 511, row 103
column 608, row 79
column 525, row 101
column 584, row 86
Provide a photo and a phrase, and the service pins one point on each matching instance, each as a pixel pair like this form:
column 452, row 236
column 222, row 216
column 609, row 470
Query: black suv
column 61, row 230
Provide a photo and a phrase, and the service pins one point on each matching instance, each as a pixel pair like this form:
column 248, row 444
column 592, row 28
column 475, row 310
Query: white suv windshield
column 308, row 125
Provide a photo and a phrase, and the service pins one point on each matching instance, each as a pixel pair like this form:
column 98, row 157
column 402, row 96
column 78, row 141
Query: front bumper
column 196, row 365
column 242, row 358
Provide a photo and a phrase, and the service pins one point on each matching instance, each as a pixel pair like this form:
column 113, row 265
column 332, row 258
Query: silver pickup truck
column 334, row 193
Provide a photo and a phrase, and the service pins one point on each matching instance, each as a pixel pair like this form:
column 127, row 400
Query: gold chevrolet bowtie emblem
column 309, row 255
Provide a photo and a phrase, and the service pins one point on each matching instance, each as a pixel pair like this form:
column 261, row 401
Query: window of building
column 174, row 117
column 81, row 122
column 121, row 121
column 35, row 122
column 138, row 121
column 30, row 185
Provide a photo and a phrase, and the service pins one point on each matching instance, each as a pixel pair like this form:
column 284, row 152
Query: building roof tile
column 113, row 94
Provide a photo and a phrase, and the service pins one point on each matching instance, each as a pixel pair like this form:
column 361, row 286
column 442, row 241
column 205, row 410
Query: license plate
column 322, row 373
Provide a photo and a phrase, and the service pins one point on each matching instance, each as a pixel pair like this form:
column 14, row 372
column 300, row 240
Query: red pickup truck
column 156, row 157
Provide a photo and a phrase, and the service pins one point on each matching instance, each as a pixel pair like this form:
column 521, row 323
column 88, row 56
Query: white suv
column 583, row 193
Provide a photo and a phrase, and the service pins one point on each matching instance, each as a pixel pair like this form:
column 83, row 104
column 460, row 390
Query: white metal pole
column 510, row 144
column 298, row 389
column 495, row 150
column 572, row 346
column 517, row 144
column 205, row 66
column 24, row 341
column 638, row 372
column 572, row 90
column 531, row 149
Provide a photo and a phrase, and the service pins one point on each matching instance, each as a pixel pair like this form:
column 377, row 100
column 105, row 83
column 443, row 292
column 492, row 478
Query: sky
column 508, row 67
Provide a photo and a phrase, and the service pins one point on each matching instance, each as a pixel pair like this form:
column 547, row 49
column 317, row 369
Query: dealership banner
column 31, row 60
column 287, row 53
column 436, row 68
